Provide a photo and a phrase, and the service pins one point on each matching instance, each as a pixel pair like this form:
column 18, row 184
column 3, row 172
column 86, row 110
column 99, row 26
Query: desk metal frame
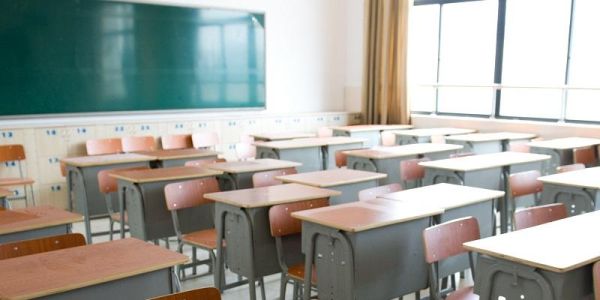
column 311, row 158
column 577, row 200
column 371, row 137
column 35, row 233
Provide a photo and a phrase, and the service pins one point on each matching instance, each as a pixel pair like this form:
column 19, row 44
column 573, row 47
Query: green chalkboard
column 73, row 56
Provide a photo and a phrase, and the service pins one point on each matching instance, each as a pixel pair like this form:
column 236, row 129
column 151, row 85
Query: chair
column 203, row 162
column 267, row 178
column 461, row 154
column 108, row 187
column 388, row 139
column 176, row 141
column 186, row 195
column 586, row 156
column 569, row 168
column 523, row 184
column 287, row 232
column 444, row 241
column 596, row 272
column 519, row 147
column 438, row 139
column 410, row 170
column 208, row 293
column 45, row 244
column 138, row 143
column 245, row 151
column 372, row 193
column 103, row 146
column 341, row 158
column 324, row 132
column 14, row 154
column 538, row 215
column 205, row 140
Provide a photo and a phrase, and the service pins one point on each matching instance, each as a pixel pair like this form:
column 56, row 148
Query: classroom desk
column 347, row 181
column 423, row 135
column 482, row 143
column 387, row 159
column 551, row 261
column 489, row 171
column 313, row 153
column 242, row 219
column 365, row 251
column 178, row 157
column 370, row 133
column 142, row 194
column 34, row 222
column 280, row 136
column 238, row 174
column 82, row 181
column 578, row 190
column 561, row 150
column 4, row 193
column 121, row 269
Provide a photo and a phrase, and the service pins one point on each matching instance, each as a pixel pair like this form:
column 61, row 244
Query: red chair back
column 11, row 153
column 411, row 170
column 586, row 156
column 176, row 141
column 138, row 143
column 281, row 221
column 538, row 215
column 186, row 194
column 103, row 146
column 45, row 244
column 525, row 183
column 267, row 178
column 446, row 239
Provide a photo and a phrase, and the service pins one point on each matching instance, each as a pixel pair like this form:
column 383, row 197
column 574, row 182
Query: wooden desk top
column 404, row 150
column 558, row 246
column 257, row 165
column 333, row 177
column 272, row 195
column 423, row 132
column 309, row 142
column 179, row 153
column 108, row 159
column 361, row 216
column 59, row 271
column 164, row 174
column 443, row 195
column 586, row 178
column 491, row 136
column 278, row 136
column 24, row 219
column 359, row 128
column 566, row 143
column 5, row 193
column 485, row 161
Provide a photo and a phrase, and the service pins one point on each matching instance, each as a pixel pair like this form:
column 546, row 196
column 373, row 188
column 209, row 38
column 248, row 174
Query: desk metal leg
column 504, row 206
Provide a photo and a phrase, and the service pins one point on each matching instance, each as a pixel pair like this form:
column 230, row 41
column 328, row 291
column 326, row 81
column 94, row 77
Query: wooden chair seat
column 297, row 272
column 465, row 293
column 117, row 217
column 12, row 181
column 206, row 239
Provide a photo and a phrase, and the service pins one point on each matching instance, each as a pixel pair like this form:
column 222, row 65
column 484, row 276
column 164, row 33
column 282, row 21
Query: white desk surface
column 359, row 128
column 256, row 165
column 566, row 143
column 108, row 159
column 586, row 178
column 277, row 136
column 485, row 161
column 424, row 132
column 330, row 178
column 404, row 150
column 491, row 136
column 308, row 142
column 558, row 246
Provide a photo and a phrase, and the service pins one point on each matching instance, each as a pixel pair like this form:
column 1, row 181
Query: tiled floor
column 238, row 293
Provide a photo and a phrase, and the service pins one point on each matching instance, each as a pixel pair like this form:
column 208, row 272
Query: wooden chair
column 267, row 178
column 108, row 187
column 438, row 139
column 538, row 215
column 208, row 293
column 569, row 168
column 341, row 158
column 519, row 147
column 523, row 184
column 372, row 193
column 287, row 232
column 176, row 141
column 586, row 156
column 186, row 195
column 324, row 132
column 245, row 151
column 410, row 170
column 596, row 272
column 388, row 139
column 444, row 241
column 103, row 146
column 138, row 143
column 200, row 163
column 45, row 244
column 205, row 140
column 11, row 155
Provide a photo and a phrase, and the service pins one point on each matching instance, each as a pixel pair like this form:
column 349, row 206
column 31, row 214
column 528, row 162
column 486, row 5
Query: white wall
column 354, row 54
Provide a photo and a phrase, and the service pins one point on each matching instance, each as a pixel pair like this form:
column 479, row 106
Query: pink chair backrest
column 108, row 184
column 372, row 193
column 281, row 221
column 205, row 139
column 245, row 151
column 176, row 141
column 438, row 139
column 103, row 146
column 186, row 194
column 569, row 168
column 324, row 132
column 586, row 156
column 525, row 183
column 267, row 178
column 411, row 170
column 446, row 239
column 388, row 139
column 138, row 143
column 519, row 147
column 538, row 215
column 202, row 162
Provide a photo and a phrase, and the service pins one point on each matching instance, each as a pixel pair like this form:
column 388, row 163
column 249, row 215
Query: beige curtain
column 384, row 79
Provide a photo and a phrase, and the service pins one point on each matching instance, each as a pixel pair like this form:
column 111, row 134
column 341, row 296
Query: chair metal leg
column 282, row 286
column 194, row 259
column 261, row 282
column 111, row 224
column 295, row 291
column 32, row 196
